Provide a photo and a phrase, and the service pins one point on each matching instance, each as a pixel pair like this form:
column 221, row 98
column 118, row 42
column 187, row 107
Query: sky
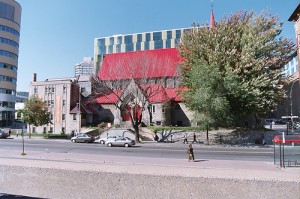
column 57, row 34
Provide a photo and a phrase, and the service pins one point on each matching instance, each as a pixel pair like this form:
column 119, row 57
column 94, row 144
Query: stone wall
column 61, row 183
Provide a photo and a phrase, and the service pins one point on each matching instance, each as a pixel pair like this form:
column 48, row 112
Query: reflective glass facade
column 136, row 42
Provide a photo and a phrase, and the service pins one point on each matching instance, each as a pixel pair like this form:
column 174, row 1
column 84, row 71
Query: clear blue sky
column 57, row 34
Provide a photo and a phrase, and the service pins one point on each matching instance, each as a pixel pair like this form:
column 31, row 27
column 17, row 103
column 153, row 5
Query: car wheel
column 73, row 141
column 101, row 142
column 126, row 145
column 109, row 144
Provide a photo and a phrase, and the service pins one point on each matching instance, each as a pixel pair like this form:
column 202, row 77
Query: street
column 147, row 150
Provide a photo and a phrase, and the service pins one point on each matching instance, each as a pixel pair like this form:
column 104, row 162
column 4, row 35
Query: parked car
column 104, row 140
column 3, row 134
column 121, row 141
column 81, row 137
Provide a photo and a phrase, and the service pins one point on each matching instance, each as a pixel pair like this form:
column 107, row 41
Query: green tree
column 234, row 70
column 35, row 113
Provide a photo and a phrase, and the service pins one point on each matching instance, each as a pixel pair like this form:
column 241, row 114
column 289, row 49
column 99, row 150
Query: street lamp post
column 291, row 99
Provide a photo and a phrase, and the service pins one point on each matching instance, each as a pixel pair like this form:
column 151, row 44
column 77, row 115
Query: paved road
column 150, row 150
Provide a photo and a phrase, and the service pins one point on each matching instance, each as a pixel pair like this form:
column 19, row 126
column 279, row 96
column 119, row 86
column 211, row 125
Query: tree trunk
column 29, row 131
column 137, row 133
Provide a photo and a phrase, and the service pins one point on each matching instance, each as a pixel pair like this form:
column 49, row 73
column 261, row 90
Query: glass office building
column 135, row 42
column 10, row 19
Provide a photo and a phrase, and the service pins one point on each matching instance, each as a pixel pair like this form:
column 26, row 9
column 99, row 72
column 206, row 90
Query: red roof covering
column 174, row 94
column 140, row 64
column 157, row 94
column 84, row 108
column 110, row 98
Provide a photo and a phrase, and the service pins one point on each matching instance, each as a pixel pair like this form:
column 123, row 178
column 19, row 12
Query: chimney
column 34, row 77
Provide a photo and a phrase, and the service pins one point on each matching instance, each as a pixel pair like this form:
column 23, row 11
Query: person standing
column 191, row 153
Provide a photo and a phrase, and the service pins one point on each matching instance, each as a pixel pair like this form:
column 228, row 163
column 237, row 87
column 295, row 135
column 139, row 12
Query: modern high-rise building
column 163, row 39
column 86, row 67
column 10, row 20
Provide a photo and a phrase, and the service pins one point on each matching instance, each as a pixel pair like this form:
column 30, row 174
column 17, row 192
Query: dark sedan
column 81, row 137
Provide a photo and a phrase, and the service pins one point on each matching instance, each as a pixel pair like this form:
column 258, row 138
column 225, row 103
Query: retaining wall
column 61, row 183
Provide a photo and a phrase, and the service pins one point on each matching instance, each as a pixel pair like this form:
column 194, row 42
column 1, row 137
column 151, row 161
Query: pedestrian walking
column 194, row 138
column 17, row 133
column 191, row 153
column 9, row 132
column 185, row 139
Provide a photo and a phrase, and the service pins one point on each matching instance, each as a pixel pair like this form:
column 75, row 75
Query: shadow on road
column 10, row 196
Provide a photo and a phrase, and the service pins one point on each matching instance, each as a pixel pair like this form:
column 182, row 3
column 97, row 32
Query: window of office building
column 110, row 49
column 169, row 34
column 138, row 46
column 7, row 11
column 128, row 39
column 10, row 30
column 178, row 34
column 111, row 40
column 102, row 50
column 157, row 36
column 129, row 47
column 158, row 44
column 118, row 48
column 139, row 38
column 148, row 36
column 146, row 45
column 63, row 116
column 119, row 40
column 8, row 54
column 168, row 43
column 8, row 66
column 101, row 42
column 9, row 42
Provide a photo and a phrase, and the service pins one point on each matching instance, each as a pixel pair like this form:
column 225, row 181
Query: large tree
column 35, row 113
column 234, row 70
column 130, row 80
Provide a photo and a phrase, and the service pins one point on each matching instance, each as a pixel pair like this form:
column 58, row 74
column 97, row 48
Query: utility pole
column 79, row 105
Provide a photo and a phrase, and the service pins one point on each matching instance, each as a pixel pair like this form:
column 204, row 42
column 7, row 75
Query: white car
column 105, row 139
column 3, row 134
column 121, row 141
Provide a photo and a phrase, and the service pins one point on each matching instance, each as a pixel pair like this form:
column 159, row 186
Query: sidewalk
column 231, row 169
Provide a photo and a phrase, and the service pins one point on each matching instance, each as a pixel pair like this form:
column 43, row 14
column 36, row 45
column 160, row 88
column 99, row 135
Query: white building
column 86, row 67
column 62, row 98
